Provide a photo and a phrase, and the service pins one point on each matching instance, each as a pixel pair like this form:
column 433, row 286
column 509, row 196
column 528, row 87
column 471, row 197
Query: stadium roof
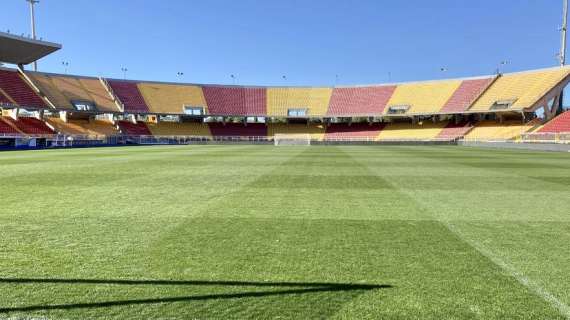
column 20, row 50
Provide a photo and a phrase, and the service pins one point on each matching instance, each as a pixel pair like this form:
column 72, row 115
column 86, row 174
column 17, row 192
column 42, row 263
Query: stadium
column 149, row 199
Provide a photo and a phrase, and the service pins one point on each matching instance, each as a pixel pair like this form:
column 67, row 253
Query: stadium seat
column 4, row 99
column 132, row 129
column 30, row 125
column 179, row 129
column 171, row 99
column 238, row 129
column 525, row 89
column 316, row 131
column 424, row 97
column 84, row 127
column 61, row 90
column 466, row 94
column 492, row 130
column 408, row 131
column 557, row 125
column 6, row 128
column 16, row 88
column 455, row 131
column 360, row 101
column 235, row 101
column 129, row 95
column 315, row 100
column 339, row 131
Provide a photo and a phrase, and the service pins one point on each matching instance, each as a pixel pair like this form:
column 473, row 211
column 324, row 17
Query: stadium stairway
column 340, row 131
column 559, row 124
column 132, row 129
column 360, row 101
column 19, row 91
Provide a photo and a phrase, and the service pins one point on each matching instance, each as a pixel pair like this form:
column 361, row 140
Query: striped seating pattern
column 4, row 99
column 466, row 94
column 15, row 87
column 526, row 87
column 59, row 93
column 355, row 130
column 132, row 129
column 316, row 100
column 455, row 130
column 30, row 125
column 129, row 94
column 424, row 97
column 360, row 101
column 171, row 99
column 235, row 101
column 558, row 124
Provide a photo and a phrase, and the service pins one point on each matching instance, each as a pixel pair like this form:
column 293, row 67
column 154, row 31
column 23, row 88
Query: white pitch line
column 524, row 280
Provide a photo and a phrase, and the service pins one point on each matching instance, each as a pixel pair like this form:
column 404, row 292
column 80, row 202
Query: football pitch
column 263, row 232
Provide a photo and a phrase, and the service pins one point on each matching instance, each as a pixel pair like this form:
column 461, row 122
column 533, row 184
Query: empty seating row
column 30, row 126
column 84, row 127
column 514, row 91
column 134, row 129
column 492, row 130
column 6, row 128
column 18, row 90
column 558, row 125
column 62, row 91
column 179, row 129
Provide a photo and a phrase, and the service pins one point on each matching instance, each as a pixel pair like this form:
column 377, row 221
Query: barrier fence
column 68, row 141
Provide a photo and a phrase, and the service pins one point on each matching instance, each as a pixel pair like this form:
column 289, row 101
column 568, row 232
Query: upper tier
column 507, row 92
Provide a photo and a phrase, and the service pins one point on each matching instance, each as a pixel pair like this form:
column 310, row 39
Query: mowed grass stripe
column 510, row 269
column 253, row 215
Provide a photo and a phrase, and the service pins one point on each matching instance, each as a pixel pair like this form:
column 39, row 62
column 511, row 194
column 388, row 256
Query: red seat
column 455, row 130
column 5, row 128
column 235, row 101
column 132, row 129
column 15, row 87
column 129, row 94
column 356, row 130
column 558, row 124
column 238, row 130
column 30, row 125
column 465, row 95
column 364, row 101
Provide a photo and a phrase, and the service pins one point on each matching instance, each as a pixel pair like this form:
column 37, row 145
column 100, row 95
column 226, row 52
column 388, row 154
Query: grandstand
column 503, row 107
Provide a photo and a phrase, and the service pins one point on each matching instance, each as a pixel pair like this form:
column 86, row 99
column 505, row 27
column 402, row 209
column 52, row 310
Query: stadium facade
column 45, row 109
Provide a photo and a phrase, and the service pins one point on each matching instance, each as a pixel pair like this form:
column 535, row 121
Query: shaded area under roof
column 19, row 50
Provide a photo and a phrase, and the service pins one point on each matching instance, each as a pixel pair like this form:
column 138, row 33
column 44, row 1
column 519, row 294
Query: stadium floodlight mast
column 563, row 31
column 125, row 70
column 234, row 78
column 33, row 23
column 65, row 65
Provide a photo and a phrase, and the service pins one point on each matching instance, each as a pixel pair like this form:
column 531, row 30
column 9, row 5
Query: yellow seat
column 83, row 127
column 492, row 130
column 423, row 97
column 179, row 129
column 315, row 100
column 170, row 98
column 526, row 88
column 408, row 131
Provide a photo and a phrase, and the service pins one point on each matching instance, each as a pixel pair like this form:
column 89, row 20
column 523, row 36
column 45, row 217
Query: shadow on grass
column 295, row 288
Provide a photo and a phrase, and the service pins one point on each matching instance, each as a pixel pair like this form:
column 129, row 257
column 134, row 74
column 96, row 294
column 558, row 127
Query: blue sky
column 361, row 41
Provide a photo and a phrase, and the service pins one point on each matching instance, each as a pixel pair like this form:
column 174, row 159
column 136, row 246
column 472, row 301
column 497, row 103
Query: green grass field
column 218, row 232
